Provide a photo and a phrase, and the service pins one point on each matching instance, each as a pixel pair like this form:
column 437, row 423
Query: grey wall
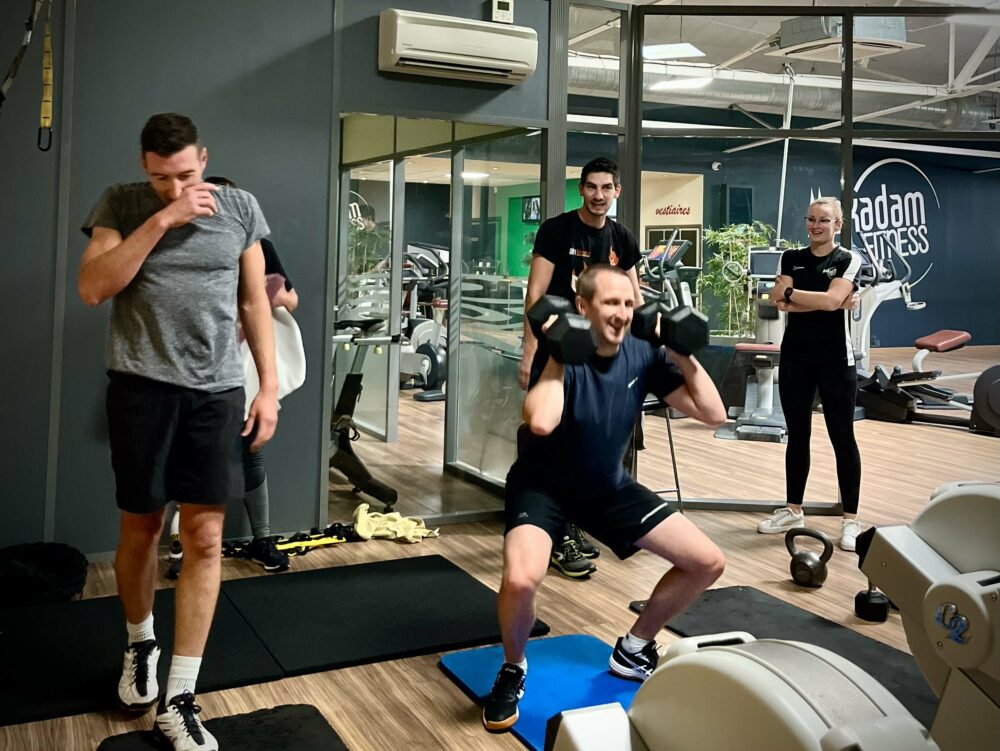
column 258, row 80
column 28, row 185
column 367, row 90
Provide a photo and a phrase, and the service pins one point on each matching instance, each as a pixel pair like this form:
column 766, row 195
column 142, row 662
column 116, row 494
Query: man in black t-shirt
column 579, row 420
column 566, row 245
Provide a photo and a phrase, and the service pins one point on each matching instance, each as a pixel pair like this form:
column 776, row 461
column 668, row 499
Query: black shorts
column 171, row 443
column 619, row 518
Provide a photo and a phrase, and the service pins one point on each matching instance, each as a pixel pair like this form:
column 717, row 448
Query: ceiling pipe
column 815, row 96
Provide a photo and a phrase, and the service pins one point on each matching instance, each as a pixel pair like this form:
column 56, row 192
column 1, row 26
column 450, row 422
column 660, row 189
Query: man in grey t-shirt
column 181, row 261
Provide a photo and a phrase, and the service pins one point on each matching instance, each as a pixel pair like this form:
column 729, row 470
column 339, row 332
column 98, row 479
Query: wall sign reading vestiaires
column 673, row 210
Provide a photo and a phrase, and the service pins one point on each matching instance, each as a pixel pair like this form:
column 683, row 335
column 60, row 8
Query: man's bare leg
column 526, row 552
column 135, row 563
column 198, row 585
column 697, row 563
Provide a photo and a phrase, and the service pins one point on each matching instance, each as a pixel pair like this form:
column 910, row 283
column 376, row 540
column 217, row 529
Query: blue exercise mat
column 564, row 672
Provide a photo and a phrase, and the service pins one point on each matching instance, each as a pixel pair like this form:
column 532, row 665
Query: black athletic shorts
column 619, row 518
column 171, row 443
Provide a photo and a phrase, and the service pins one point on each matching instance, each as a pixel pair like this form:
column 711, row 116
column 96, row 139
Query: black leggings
column 838, row 388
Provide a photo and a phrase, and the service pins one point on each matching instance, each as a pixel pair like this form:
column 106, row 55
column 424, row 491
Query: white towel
column 290, row 358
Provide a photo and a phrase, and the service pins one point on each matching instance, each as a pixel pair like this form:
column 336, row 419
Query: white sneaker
column 177, row 724
column 849, row 535
column 137, row 689
column 782, row 520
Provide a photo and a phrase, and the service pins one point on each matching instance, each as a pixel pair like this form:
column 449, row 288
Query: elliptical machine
column 423, row 356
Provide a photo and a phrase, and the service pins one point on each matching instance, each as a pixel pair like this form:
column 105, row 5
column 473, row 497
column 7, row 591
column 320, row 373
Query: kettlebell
column 808, row 569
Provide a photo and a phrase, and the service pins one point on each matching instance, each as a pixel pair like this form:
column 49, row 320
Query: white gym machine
column 730, row 691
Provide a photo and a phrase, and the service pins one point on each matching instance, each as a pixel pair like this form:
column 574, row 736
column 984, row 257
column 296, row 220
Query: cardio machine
column 730, row 691
column 760, row 418
column 343, row 431
column 916, row 396
column 423, row 358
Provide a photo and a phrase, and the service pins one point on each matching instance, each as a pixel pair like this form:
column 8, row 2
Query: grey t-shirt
column 176, row 320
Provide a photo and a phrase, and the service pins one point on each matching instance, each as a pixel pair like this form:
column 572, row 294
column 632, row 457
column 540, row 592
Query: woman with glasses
column 816, row 288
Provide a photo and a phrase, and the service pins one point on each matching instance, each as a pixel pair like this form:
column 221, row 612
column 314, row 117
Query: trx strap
column 45, row 118
column 45, row 115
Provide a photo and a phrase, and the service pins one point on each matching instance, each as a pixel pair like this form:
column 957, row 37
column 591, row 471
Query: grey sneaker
column 569, row 561
column 137, row 688
column 781, row 521
column 178, row 726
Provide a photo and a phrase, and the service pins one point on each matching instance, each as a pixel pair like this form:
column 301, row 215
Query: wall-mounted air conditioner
column 425, row 44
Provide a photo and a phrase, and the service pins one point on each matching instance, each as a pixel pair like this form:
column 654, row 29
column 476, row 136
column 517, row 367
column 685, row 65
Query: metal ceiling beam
column 976, row 58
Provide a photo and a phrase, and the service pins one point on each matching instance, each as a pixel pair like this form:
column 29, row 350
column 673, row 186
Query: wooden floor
column 410, row 704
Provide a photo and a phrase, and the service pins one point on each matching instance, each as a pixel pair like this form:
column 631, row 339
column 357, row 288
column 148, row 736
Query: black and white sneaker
column 263, row 550
column 587, row 549
column 178, row 727
column 635, row 667
column 137, row 688
column 500, row 708
column 569, row 561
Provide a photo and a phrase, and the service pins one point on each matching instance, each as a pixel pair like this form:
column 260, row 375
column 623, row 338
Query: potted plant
column 730, row 304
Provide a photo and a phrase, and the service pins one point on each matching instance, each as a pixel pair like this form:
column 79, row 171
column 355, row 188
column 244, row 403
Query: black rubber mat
column 351, row 615
column 65, row 659
column 766, row 617
column 292, row 727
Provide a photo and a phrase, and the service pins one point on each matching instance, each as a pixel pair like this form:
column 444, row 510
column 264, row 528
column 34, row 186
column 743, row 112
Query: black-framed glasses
column 821, row 220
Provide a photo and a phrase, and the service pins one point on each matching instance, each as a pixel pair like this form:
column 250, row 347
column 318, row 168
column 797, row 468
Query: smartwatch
column 788, row 294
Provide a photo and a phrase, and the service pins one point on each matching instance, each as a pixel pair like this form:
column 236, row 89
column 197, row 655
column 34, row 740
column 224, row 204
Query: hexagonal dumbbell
column 570, row 338
column 682, row 329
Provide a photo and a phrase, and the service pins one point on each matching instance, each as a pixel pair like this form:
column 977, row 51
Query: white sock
column 633, row 644
column 183, row 675
column 523, row 664
column 140, row 631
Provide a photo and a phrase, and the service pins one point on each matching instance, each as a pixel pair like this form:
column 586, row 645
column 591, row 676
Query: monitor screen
column 764, row 264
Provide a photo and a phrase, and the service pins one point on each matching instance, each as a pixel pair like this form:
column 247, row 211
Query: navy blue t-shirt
column 602, row 400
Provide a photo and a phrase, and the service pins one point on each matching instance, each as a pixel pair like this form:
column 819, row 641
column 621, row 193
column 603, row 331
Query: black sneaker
column 263, row 551
column 635, row 667
column 587, row 548
column 177, row 725
column 569, row 561
column 500, row 708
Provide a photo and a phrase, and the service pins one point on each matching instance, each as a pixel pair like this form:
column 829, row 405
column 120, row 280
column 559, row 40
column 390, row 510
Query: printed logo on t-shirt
column 579, row 253
column 830, row 272
column 612, row 257
column 797, row 268
column 632, row 382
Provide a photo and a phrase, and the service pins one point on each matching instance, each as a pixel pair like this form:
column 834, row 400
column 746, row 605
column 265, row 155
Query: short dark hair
column 586, row 283
column 600, row 164
column 167, row 133
column 219, row 180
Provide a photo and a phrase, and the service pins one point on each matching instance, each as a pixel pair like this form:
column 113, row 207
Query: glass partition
column 927, row 72
column 594, row 38
column 926, row 211
column 741, row 71
column 501, row 213
column 367, row 289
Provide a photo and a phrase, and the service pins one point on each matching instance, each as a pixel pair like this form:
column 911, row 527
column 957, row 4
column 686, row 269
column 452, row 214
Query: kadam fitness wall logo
column 888, row 218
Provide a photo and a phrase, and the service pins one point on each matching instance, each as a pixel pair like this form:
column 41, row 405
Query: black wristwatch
column 788, row 294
